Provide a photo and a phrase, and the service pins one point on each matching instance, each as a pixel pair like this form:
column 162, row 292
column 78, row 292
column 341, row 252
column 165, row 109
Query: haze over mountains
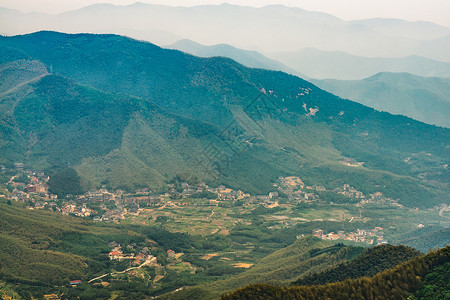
column 426, row 99
column 274, row 28
column 251, row 59
column 423, row 99
column 343, row 66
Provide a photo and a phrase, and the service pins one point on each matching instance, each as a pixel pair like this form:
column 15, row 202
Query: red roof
column 75, row 282
column 170, row 251
column 113, row 253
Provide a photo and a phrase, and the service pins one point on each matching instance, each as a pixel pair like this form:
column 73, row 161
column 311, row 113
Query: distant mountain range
column 251, row 59
column 340, row 65
column 128, row 114
column 420, row 98
column 273, row 28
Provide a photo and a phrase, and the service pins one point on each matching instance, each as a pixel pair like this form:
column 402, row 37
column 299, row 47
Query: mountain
column 403, row 282
column 128, row 114
column 251, row 59
column 340, row 65
column 426, row 99
column 306, row 256
column 432, row 48
column 368, row 264
column 274, row 28
column 426, row 238
column 308, row 261
column 420, row 30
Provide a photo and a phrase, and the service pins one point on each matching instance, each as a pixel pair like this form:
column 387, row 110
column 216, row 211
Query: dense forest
column 368, row 264
column 397, row 283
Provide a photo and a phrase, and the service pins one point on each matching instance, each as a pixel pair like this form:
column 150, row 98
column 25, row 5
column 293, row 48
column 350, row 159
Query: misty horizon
column 436, row 11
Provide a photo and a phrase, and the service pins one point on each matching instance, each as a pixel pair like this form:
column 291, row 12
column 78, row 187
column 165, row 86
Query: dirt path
column 147, row 262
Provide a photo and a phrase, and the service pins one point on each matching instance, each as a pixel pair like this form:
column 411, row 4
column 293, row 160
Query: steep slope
column 340, row 65
column 251, row 59
column 435, row 285
column 420, row 98
column 425, row 239
column 72, row 125
column 369, row 263
column 397, row 283
column 307, row 255
column 243, row 127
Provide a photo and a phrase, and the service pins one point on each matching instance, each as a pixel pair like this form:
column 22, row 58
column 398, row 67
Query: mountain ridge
column 341, row 65
column 271, row 112
column 422, row 98
column 360, row 39
column 251, row 59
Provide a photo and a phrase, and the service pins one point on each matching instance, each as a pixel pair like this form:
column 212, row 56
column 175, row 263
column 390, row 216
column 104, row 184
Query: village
column 370, row 237
column 31, row 188
column 202, row 210
column 149, row 207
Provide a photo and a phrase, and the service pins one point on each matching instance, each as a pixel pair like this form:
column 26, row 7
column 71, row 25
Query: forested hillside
column 368, row 264
column 148, row 114
column 307, row 255
column 397, row 283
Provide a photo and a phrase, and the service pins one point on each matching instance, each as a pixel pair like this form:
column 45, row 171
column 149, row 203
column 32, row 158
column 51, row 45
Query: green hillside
column 425, row 239
column 419, row 275
column 128, row 114
column 369, row 263
column 41, row 248
column 42, row 251
column 422, row 98
column 307, row 255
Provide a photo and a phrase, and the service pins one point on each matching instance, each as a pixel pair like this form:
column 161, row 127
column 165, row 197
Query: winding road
column 146, row 262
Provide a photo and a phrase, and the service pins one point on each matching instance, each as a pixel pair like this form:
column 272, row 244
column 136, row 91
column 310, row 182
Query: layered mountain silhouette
column 423, row 98
column 252, row 59
column 274, row 28
column 340, row 65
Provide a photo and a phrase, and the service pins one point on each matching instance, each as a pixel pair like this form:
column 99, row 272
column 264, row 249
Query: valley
column 206, row 234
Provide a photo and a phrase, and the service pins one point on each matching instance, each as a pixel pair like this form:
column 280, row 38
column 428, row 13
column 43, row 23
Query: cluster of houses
column 103, row 205
column 137, row 259
column 371, row 237
column 34, row 188
column 297, row 191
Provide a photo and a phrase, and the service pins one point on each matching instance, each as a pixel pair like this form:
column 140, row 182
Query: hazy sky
column 437, row 11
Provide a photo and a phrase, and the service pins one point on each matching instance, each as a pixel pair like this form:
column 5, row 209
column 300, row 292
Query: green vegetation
column 64, row 182
column 425, row 239
column 369, row 263
column 42, row 250
column 110, row 131
column 280, row 267
column 436, row 284
column 397, row 283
